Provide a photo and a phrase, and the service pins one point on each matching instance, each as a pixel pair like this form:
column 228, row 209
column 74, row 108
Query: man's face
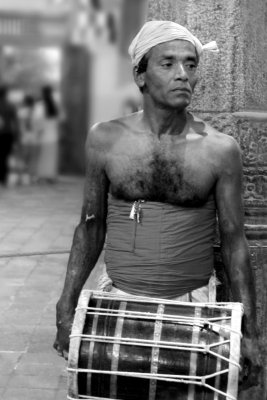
column 171, row 76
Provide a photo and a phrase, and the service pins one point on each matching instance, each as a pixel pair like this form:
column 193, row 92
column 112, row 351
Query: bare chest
column 171, row 171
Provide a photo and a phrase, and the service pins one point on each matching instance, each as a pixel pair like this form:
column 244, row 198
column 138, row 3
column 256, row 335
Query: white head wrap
column 156, row 32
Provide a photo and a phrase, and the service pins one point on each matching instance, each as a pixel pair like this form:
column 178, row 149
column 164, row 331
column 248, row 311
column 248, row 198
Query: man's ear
column 194, row 84
column 139, row 78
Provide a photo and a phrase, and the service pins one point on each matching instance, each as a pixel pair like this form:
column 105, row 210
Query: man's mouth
column 181, row 89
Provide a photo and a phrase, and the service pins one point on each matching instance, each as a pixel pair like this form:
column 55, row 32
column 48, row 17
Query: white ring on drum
column 196, row 380
column 91, row 349
column 194, row 355
column 155, row 352
column 116, row 349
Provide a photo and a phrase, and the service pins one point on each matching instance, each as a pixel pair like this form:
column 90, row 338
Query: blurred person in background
column 9, row 132
column 47, row 122
column 29, row 139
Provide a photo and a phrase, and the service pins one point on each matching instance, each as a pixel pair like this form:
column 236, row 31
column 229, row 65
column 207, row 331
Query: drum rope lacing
column 140, row 299
column 204, row 323
column 202, row 348
column 196, row 380
column 210, row 324
column 160, row 344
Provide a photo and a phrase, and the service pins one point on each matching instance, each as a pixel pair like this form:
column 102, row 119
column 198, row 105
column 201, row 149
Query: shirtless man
column 153, row 180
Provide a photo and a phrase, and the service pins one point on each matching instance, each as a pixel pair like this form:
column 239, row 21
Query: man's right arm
column 88, row 240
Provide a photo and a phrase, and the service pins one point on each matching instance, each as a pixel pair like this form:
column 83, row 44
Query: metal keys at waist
column 136, row 211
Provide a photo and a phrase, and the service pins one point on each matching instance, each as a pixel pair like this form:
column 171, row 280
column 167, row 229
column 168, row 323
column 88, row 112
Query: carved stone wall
column 252, row 136
column 235, row 78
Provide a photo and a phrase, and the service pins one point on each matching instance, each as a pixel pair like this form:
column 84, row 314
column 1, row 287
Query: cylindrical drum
column 139, row 348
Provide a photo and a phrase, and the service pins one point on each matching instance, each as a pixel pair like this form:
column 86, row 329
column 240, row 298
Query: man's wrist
column 67, row 304
column 250, row 329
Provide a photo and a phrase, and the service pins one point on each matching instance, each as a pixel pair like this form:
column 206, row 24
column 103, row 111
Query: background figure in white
column 29, row 137
column 47, row 115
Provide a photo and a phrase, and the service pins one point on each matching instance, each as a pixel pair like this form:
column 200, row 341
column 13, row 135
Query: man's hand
column 64, row 325
column 251, row 362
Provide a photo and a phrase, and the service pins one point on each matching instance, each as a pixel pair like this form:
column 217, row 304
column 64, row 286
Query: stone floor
column 36, row 230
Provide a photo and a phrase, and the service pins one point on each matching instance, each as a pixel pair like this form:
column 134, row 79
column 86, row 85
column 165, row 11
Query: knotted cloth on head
column 156, row 32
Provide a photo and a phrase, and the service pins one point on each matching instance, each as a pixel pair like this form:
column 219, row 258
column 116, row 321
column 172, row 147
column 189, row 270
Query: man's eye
column 191, row 67
column 167, row 64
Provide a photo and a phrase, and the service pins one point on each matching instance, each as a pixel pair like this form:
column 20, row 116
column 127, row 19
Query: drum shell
column 143, row 357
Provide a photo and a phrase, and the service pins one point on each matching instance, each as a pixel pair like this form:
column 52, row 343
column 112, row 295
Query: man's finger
column 55, row 345
column 58, row 349
column 65, row 354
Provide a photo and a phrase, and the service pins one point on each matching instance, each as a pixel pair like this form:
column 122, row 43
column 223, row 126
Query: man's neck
column 164, row 121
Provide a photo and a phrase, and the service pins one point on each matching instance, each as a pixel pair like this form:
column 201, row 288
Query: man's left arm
column 234, row 246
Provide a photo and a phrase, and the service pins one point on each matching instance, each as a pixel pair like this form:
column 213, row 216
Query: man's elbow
column 232, row 234
column 90, row 229
column 80, row 231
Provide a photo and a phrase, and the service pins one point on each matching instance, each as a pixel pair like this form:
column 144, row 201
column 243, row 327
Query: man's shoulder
column 104, row 133
column 221, row 141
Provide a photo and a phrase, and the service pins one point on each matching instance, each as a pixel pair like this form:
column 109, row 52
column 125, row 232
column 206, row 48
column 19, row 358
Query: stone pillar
column 76, row 65
column 231, row 95
column 75, row 99
column 132, row 18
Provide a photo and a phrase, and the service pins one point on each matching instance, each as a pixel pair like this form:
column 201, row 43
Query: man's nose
column 180, row 72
